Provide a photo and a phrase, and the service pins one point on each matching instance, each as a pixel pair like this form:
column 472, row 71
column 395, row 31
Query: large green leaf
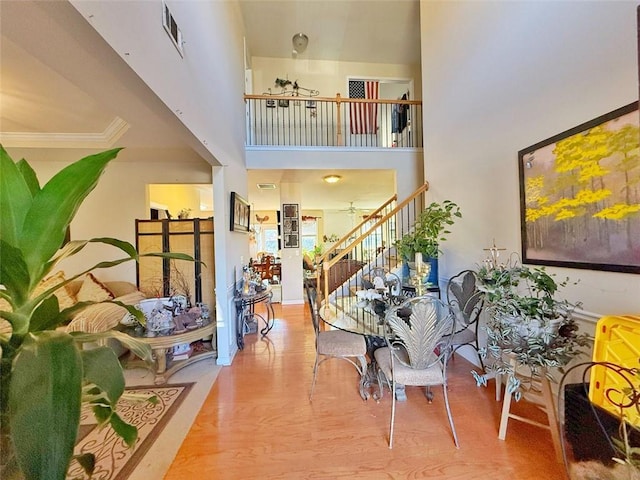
column 44, row 404
column 102, row 368
column 15, row 199
column 13, row 272
column 47, row 314
column 105, row 414
column 54, row 206
column 29, row 175
column 139, row 348
column 127, row 432
column 74, row 247
column 87, row 461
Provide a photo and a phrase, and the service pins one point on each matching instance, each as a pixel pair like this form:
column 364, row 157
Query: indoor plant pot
column 526, row 321
column 429, row 231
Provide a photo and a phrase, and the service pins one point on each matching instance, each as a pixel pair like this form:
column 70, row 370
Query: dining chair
column 466, row 300
column 335, row 343
column 418, row 335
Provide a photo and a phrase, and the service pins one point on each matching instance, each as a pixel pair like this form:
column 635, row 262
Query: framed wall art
column 290, row 225
column 290, row 210
column 240, row 214
column 291, row 240
column 580, row 195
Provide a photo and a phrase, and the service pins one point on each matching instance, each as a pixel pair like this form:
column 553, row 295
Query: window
column 267, row 239
column 309, row 234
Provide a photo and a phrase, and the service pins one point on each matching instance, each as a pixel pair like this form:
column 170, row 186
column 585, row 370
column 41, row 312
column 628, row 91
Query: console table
column 164, row 365
column 245, row 312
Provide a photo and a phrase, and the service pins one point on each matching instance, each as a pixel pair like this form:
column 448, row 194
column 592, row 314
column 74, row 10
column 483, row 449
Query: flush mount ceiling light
column 332, row 178
column 266, row 186
column 300, row 42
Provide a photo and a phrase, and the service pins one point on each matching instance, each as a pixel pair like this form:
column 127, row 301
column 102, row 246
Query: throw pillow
column 65, row 296
column 93, row 290
column 103, row 316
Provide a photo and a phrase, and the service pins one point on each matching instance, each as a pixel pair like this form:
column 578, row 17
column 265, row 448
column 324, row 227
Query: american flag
column 363, row 116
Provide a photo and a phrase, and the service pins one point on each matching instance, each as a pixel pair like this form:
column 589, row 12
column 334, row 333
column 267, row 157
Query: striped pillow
column 93, row 290
column 103, row 316
column 65, row 296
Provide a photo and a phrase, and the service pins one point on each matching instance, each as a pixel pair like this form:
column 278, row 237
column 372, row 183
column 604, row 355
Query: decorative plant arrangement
column 45, row 373
column 430, row 229
column 527, row 322
column 184, row 214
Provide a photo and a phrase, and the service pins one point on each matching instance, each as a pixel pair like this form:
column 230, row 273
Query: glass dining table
column 365, row 317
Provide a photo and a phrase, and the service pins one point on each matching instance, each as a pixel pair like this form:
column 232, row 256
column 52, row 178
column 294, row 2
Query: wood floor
column 258, row 423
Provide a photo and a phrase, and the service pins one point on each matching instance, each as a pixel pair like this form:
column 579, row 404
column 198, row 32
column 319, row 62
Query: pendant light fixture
column 300, row 42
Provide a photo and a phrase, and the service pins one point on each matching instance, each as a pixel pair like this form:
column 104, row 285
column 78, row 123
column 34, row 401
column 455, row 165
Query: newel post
column 339, row 120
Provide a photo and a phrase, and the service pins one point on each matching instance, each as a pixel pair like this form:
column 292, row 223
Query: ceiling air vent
column 266, row 186
column 171, row 27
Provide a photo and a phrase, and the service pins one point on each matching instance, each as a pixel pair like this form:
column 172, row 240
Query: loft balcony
column 305, row 121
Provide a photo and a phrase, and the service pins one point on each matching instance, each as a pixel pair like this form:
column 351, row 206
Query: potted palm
column 45, row 374
column 526, row 321
column 429, row 231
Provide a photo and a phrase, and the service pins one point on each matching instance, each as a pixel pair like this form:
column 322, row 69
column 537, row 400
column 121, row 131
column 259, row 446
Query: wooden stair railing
column 343, row 265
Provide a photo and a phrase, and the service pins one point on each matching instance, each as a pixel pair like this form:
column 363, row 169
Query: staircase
column 369, row 245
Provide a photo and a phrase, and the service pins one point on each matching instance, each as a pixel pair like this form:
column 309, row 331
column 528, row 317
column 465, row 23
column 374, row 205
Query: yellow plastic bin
column 617, row 341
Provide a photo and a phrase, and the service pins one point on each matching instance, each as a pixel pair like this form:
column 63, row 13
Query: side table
column 245, row 312
column 164, row 365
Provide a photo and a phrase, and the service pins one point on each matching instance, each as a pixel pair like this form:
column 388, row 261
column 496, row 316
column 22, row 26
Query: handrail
column 348, row 235
column 395, row 223
column 337, row 99
column 303, row 120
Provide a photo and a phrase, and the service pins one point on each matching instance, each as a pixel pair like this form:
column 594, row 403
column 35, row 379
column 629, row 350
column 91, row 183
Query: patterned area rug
column 114, row 461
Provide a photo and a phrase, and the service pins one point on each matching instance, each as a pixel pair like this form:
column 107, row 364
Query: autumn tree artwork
column 580, row 195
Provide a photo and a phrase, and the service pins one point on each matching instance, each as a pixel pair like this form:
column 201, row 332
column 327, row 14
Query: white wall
column 209, row 103
column 327, row 77
column 499, row 77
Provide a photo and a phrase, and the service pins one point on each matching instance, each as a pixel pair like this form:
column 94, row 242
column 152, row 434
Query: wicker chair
column 418, row 335
column 335, row 343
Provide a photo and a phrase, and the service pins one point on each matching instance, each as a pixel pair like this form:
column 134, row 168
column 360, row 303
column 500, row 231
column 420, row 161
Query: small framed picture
column 286, row 225
column 240, row 214
column 291, row 241
column 290, row 210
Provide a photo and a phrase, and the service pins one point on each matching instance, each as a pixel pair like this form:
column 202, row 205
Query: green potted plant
column 429, row 231
column 526, row 321
column 45, row 373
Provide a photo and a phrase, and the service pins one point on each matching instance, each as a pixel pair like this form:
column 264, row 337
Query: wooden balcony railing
column 274, row 120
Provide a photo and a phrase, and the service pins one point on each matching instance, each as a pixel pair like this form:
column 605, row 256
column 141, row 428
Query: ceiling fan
column 352, row 211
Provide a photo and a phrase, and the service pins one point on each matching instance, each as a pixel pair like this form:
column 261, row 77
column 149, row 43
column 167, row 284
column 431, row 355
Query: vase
column 409, row 266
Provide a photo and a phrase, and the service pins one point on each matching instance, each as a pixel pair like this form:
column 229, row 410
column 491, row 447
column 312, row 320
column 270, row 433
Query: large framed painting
column 240, row 214
column 580, row 195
